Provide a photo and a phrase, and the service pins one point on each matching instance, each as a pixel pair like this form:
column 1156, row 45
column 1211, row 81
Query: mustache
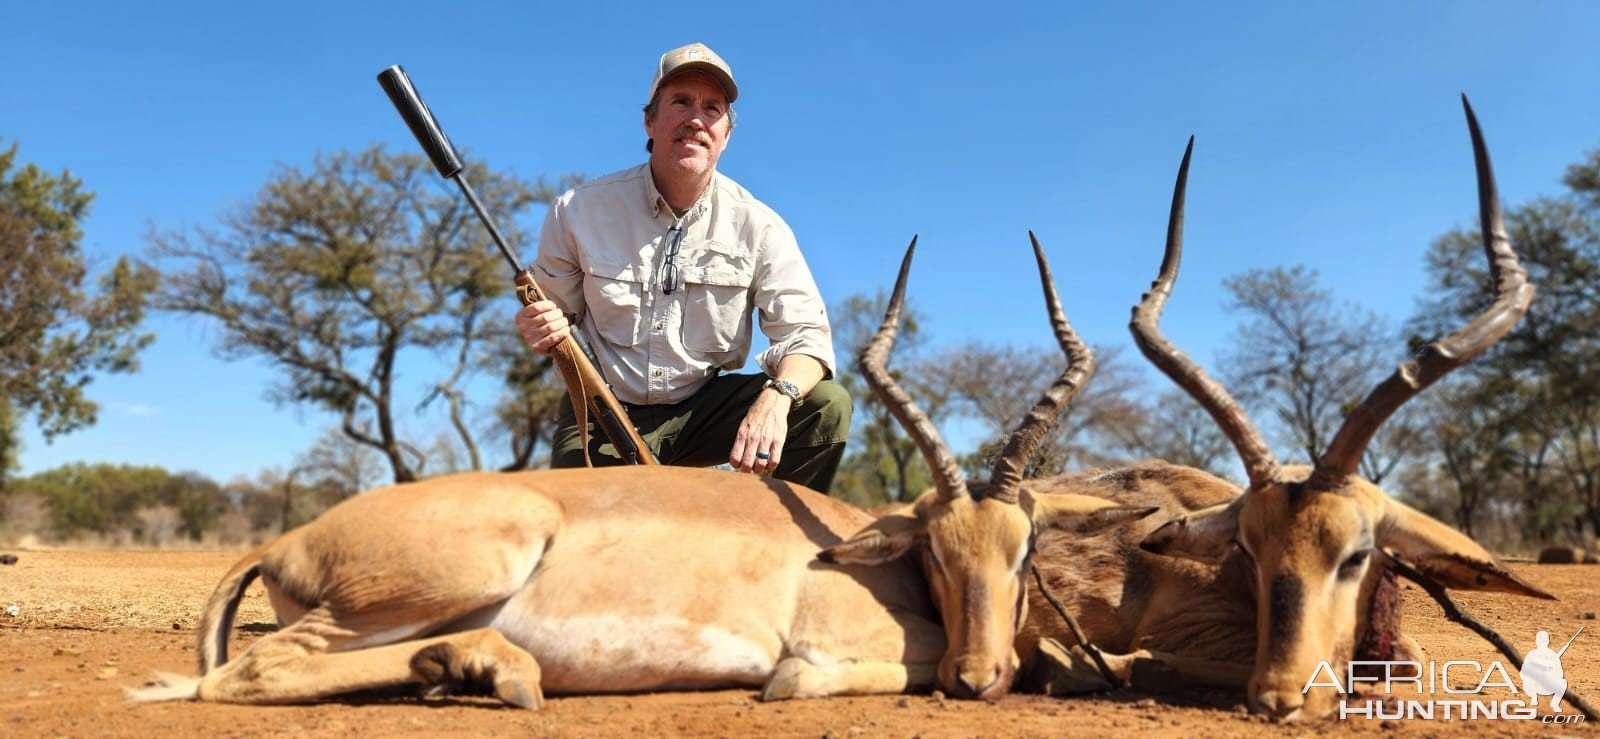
column 689, row 132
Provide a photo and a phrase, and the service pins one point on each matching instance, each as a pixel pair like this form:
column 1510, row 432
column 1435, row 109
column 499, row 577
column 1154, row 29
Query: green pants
column 700, row 431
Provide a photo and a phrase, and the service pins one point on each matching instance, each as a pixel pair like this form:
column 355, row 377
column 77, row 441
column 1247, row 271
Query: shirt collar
column 658, row 204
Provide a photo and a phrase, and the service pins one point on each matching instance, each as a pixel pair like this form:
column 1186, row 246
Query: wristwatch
column 787, row 388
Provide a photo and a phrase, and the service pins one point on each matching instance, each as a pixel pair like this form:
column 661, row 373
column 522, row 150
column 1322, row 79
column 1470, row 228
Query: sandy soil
column 89, row 623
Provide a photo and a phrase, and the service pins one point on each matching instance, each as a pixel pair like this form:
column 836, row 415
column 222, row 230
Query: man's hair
column 650, row 112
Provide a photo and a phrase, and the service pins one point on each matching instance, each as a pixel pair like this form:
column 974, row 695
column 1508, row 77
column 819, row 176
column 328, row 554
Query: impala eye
column 1354, row 562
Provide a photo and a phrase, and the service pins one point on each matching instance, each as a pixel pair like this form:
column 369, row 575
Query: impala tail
column 216, row 622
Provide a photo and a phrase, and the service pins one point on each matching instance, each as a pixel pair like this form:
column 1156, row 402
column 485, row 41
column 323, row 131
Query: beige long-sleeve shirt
column 602, row 258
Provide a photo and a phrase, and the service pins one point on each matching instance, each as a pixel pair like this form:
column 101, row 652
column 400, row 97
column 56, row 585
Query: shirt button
column 656, row 372
column 661, row 325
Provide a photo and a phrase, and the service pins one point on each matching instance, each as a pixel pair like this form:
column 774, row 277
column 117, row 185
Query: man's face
column 690, row 126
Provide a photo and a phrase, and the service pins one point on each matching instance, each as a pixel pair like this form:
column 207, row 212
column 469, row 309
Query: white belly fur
column 604, row 653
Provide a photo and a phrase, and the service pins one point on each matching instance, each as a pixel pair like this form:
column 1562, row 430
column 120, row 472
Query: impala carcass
column 1253, row 590
column 642, row 579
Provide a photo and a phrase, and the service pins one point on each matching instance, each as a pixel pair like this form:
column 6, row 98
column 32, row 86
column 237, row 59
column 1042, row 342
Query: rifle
column 1569, row 642
column 586, row 386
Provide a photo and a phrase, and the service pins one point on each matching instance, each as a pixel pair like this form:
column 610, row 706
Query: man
column 1542, row 673
column 662, row 266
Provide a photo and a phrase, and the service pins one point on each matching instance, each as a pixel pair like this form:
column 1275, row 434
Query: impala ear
column 1203, row 535
column 1444, row 554
column 1083, row 514
column 882, row 541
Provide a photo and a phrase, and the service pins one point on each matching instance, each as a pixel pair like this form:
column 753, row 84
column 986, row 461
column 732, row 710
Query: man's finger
column 736, row 455
column 548, row 343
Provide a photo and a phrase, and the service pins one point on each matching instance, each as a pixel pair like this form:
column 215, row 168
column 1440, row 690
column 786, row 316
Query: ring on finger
column 763, row 456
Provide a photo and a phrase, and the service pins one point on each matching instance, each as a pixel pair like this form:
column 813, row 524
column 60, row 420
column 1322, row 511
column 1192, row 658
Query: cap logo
column 691, row 54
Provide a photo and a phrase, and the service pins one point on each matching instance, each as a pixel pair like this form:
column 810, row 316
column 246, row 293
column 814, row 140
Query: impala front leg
column 798, row 677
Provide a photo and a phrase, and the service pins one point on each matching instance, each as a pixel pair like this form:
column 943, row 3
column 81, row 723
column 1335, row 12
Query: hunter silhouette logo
column 1542, row 673
column 1452, row 689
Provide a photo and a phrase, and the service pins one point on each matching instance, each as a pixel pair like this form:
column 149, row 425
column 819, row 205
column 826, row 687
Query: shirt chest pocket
column 717, row 281
column 613, row 295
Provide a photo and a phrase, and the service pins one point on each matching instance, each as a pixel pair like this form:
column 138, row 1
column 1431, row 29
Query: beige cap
column 695, row 56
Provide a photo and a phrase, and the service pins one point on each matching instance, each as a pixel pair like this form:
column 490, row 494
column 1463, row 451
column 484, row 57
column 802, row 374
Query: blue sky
column 1328, row 134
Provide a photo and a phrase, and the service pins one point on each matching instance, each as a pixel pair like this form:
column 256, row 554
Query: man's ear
column 1447, row 556
column 1203, row 535
column 1083, row 514
column 882, row 541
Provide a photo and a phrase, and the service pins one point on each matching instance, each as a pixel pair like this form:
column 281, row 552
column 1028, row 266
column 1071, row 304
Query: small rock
column 1389, row 725
column 1145, row 703
column 8, row 559
column 1240, row 709
column 107, row 673
column 1588, row 615
column 13, row 610
column 19, row 669
column 67, row 652
column 176, row 626
column 902, row 703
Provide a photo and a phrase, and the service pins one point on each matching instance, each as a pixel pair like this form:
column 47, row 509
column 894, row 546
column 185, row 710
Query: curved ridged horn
column 1259, row 462
column 1007, row 475
column 1512, row 294
column 947, row 477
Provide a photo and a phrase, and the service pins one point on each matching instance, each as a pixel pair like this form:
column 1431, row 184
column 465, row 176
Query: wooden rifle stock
column 589, row 391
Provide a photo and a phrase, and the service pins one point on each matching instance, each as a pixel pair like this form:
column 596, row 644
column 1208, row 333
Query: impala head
column 975, row 549
column 1314, row 534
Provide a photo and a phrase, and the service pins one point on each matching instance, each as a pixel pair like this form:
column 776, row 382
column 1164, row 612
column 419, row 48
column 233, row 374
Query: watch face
column 785, row 387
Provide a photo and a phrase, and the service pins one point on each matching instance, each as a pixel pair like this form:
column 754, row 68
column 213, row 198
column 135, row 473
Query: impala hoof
column 512, row 675
column 785, row 682
column 519, row 694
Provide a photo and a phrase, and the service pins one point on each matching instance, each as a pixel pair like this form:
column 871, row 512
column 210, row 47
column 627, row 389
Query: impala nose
column 1280, row 705
column 973, row 682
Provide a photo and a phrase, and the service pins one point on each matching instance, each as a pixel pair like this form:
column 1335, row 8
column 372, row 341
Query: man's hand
column 542, row 325
column 762, row 432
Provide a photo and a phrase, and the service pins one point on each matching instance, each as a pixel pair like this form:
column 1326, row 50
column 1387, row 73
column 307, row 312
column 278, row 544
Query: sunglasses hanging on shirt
column 674, row 279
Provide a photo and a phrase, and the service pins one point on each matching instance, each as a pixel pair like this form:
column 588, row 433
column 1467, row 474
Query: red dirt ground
column 90, row 623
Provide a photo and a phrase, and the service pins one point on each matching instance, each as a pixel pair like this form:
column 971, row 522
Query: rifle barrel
column 1570, row 641
column 494, row 231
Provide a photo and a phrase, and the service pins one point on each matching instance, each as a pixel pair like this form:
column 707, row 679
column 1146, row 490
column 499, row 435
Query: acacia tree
column 341, row 464
column 997, row 385
column 1472, row 435
column 337, row 273
column 528, row 408
column 1543, row 378
column 1303, row 359
column 56, row 334
column 1170, row 427
column 883, row 465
